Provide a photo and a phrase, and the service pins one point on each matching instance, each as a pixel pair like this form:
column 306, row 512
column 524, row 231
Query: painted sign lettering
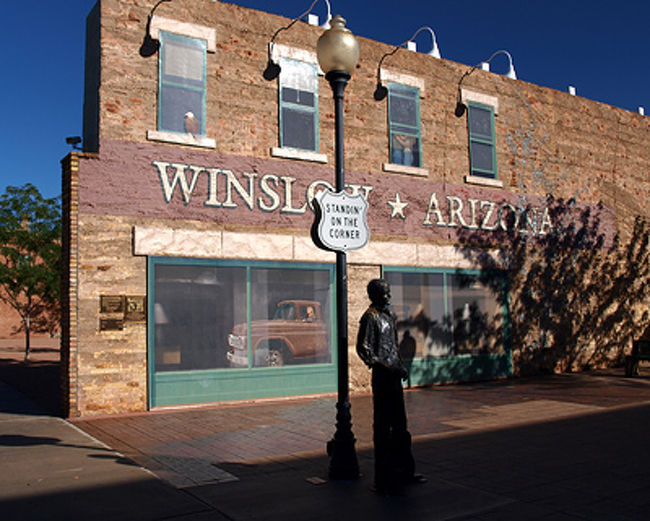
column 269, row 192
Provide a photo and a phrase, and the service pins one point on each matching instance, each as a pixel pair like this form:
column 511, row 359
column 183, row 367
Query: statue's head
column 379, row 292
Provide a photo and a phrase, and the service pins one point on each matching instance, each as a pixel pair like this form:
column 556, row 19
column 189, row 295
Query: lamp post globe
column 337, row 48
column 338, row 53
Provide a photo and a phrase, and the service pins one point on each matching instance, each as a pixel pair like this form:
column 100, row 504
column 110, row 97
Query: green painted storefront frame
column 465, row 367
column 217, row 385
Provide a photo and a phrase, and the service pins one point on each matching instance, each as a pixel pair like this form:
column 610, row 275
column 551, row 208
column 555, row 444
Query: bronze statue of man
column 378, row 348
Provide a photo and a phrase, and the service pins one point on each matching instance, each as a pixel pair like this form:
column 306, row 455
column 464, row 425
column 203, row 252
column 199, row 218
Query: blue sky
column 600, row 47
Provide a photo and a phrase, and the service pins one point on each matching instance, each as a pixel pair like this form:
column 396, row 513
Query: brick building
column 189, row 262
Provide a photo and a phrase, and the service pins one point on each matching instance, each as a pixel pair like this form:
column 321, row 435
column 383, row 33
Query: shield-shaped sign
column 340, row 223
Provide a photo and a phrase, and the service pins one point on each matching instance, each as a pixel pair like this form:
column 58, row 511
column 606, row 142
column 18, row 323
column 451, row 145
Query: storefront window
column 194, row 311
column 442, row 314
column 222, row 317
column 477, row 316
column 289, row 316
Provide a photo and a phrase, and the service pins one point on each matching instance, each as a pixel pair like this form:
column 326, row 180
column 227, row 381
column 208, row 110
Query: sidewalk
column 554, row 448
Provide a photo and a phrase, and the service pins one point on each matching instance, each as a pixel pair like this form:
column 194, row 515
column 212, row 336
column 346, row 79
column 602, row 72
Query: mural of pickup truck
column 296, row 334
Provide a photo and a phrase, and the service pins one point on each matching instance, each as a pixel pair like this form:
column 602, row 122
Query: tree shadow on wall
column 577, row 295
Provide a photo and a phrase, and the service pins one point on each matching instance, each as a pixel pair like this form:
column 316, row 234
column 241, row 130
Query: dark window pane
column 175, row 102
column 298, row 129
column 299, row 97
column 403, row 111
column 194, row 312
column 480, row 122
column 481, row 155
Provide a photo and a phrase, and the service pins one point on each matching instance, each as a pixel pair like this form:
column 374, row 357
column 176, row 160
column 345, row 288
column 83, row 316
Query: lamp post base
column 340, row 449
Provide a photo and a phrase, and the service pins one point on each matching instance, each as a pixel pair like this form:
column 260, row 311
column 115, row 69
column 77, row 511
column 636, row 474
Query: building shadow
column 38, row 380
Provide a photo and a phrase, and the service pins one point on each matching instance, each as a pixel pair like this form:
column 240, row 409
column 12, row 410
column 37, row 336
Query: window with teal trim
column 404, row 125
column 443, row 314
column 194, row 310
column 482, row 141
column 298, row 105
column 182, row 84
column 225, row 315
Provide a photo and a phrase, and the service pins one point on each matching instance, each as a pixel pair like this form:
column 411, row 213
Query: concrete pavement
column 564, row 447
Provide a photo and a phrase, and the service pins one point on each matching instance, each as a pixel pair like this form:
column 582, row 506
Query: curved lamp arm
column 460, row 106
column 326, row 24
column 272, row 70
column 435, row 52
column 381, row 91
column 150, row 45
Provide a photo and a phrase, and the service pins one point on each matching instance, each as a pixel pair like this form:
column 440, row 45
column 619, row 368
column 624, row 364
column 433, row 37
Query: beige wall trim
column 294, row 153
column 181, row 139
column 294, row 53
column 478, row 97
column 163, row 242
column 483, row 181
column 402, row 79
column 209, row 34
column 404, row 169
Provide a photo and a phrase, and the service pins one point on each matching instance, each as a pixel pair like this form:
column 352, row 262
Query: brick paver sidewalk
column 189, row 447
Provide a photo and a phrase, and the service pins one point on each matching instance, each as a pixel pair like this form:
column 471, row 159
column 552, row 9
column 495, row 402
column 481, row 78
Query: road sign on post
column 340, row 223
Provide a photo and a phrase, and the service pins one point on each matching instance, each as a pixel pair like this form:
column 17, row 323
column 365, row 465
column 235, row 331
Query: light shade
column 337, row 48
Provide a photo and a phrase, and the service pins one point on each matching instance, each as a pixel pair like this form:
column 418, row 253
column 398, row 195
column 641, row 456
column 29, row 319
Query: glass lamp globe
column 337, row 48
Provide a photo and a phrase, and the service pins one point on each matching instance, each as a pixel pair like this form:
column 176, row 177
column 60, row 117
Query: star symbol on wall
column 397, row 207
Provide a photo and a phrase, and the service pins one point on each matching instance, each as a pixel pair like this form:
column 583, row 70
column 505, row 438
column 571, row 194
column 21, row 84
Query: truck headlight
column 237, row 341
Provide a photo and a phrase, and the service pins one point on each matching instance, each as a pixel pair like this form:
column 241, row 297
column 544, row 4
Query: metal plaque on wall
column 111, row 324
column 136, row 308
column 111, row 303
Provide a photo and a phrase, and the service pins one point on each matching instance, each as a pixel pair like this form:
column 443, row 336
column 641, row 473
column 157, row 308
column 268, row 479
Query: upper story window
column 404, row 125
column 182, row 82
column 482, row 150
column 181, row 85
column 298, row 105
column 481, row 112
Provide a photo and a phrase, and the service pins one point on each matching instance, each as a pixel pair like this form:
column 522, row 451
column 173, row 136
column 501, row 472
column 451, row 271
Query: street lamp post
column 338, row 53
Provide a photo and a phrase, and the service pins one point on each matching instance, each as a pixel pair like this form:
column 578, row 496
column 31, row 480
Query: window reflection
column 204, row 318
column 444, row 314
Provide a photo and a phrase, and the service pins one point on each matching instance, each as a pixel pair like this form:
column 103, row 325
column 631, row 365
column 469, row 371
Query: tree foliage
column 30, row 258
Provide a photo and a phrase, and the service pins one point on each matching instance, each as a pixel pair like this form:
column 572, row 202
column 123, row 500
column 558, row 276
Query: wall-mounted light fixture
column 74, row 142
column 485, row 65
column 435, row 52
column 150, row 45
column 272, row 70
column 381, row 91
